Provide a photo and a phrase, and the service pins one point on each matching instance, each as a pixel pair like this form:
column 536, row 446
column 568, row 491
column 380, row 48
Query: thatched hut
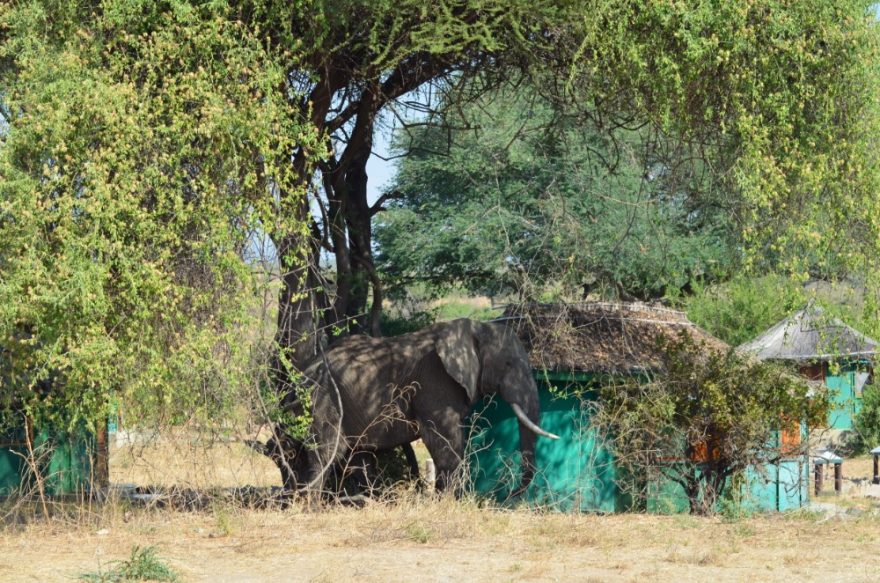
column 825, row 350
column 602, row 337
column 574, row 349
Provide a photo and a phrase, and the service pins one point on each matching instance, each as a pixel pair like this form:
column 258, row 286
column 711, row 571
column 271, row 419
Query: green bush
column 743, row 308
column 395, row 325
column 142, row 565
column 867, row 421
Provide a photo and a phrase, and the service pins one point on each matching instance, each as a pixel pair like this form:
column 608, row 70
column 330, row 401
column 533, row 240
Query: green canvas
column 65, row 461
column 845, row 403
column 575, row 472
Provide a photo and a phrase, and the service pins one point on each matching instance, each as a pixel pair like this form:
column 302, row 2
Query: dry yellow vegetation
column 423, row 538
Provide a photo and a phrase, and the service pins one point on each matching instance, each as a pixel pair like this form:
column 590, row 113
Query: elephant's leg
column 444, row 438
column 362, row 469
column 324, row 459
column 288, row 454
column 411, row 460
column 328, row 444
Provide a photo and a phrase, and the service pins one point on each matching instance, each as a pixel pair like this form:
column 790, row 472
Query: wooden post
column 838, row 478
column 102, row 460
column 819, row 479
column 876, row 479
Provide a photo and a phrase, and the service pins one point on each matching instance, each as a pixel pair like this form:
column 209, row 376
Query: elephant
column 372, row 394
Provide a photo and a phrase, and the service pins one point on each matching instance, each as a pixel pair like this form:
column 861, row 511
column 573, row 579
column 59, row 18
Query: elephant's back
column 360, row 360
column 369, row 373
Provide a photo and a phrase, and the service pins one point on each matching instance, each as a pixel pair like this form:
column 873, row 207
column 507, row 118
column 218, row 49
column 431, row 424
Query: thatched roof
column 600, row 336
column 810, row 334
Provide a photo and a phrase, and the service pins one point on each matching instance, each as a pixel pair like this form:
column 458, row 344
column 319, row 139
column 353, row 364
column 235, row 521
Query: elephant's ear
column 457, row 347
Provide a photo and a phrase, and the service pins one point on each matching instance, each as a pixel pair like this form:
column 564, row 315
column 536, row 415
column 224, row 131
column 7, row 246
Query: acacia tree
column 354, row 59
column 754, row 91
column 512, row 193
column 131, row 175
column 284, row 99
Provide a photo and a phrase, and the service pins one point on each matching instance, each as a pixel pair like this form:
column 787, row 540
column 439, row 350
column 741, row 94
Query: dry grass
column 191, row 461
column 439, row 540
column 858, row 468
column 418, row 537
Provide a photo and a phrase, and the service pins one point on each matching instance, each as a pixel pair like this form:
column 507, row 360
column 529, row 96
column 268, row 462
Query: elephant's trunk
column 527, row 448
column 528, row 432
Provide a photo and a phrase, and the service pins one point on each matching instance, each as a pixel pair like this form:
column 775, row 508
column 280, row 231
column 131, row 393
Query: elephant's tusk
column 520, row 414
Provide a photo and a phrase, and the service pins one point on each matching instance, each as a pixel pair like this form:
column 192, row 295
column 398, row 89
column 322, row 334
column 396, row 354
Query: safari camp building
column 826, row 350
column 581, row 347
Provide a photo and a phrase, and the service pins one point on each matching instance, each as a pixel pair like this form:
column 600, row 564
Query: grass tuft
column 419, row 532
column 142, row 565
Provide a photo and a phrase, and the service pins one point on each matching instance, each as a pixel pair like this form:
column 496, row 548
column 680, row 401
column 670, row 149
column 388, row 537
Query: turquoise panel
column 64, row 461
column 779, row 487
column 575, row 472
column 846, row 403
column 666, row 497
column 775, row 488
column 840, row 388
column 10, row 470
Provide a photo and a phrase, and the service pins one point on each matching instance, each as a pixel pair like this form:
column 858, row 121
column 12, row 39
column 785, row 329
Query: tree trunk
column 360, row 234
column 296, row 335
column 349, row 189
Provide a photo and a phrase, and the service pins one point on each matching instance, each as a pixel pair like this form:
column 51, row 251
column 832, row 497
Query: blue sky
column 379, row 171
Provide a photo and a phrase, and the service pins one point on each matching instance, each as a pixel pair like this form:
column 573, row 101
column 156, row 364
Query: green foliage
column 867, row 421
column 143, row 565
column 780, row 97
column 708, row 416
column 419, row 532
column 294, row 420
column 732, row 504
column 397, row 324
column 144, row 142
column 742, row 308
column 685, row 141
column 141, row 141
column 529, row 197
column 452, row 307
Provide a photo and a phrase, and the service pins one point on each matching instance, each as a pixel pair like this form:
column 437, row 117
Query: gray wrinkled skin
column 378, row 393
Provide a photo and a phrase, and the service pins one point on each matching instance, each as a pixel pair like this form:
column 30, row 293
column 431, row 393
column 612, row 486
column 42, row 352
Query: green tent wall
column 69, row 463
column 575, row 472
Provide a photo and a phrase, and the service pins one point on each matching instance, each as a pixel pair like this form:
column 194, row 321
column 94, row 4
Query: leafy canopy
column 143, row 141
column 760, row 118
column 140, row 144
column 529, row 198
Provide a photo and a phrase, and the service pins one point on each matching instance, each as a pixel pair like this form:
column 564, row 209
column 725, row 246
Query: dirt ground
column 448, row 541
column 422, row 538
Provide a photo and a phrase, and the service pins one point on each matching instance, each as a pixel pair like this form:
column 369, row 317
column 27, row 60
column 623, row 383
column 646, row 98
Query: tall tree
column 132, row 173
column 509, row 193
column 756, row 90
column 286, row 96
